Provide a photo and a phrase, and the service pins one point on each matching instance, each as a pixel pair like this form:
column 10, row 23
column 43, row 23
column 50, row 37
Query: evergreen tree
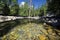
column 53, row 7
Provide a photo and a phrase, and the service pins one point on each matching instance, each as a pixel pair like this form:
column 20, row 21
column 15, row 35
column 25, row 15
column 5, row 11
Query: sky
column 36, row 3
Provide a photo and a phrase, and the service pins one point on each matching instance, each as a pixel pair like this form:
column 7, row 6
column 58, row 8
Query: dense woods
column 53, row 7
column 13, row 8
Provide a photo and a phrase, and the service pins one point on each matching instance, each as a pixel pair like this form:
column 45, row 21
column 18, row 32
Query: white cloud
column 22, row 4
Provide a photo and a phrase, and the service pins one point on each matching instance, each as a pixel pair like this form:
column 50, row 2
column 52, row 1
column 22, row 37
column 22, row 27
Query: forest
column 11, row 7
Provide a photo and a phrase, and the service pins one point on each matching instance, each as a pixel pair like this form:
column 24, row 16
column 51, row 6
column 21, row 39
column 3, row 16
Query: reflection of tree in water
column 5, row 27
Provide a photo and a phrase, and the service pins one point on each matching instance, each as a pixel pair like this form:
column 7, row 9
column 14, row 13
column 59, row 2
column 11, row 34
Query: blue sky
column 35, row 2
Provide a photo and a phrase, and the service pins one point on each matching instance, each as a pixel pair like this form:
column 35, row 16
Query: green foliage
column 7, row 8
column 14, row 1
column 14, row 10
column 24, row 10
column 54, row 7
column 4, row 8
column 42, row 10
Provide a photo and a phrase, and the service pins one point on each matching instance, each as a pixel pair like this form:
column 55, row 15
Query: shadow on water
column 55, row 25
column 5, row 27
column 56, row 28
